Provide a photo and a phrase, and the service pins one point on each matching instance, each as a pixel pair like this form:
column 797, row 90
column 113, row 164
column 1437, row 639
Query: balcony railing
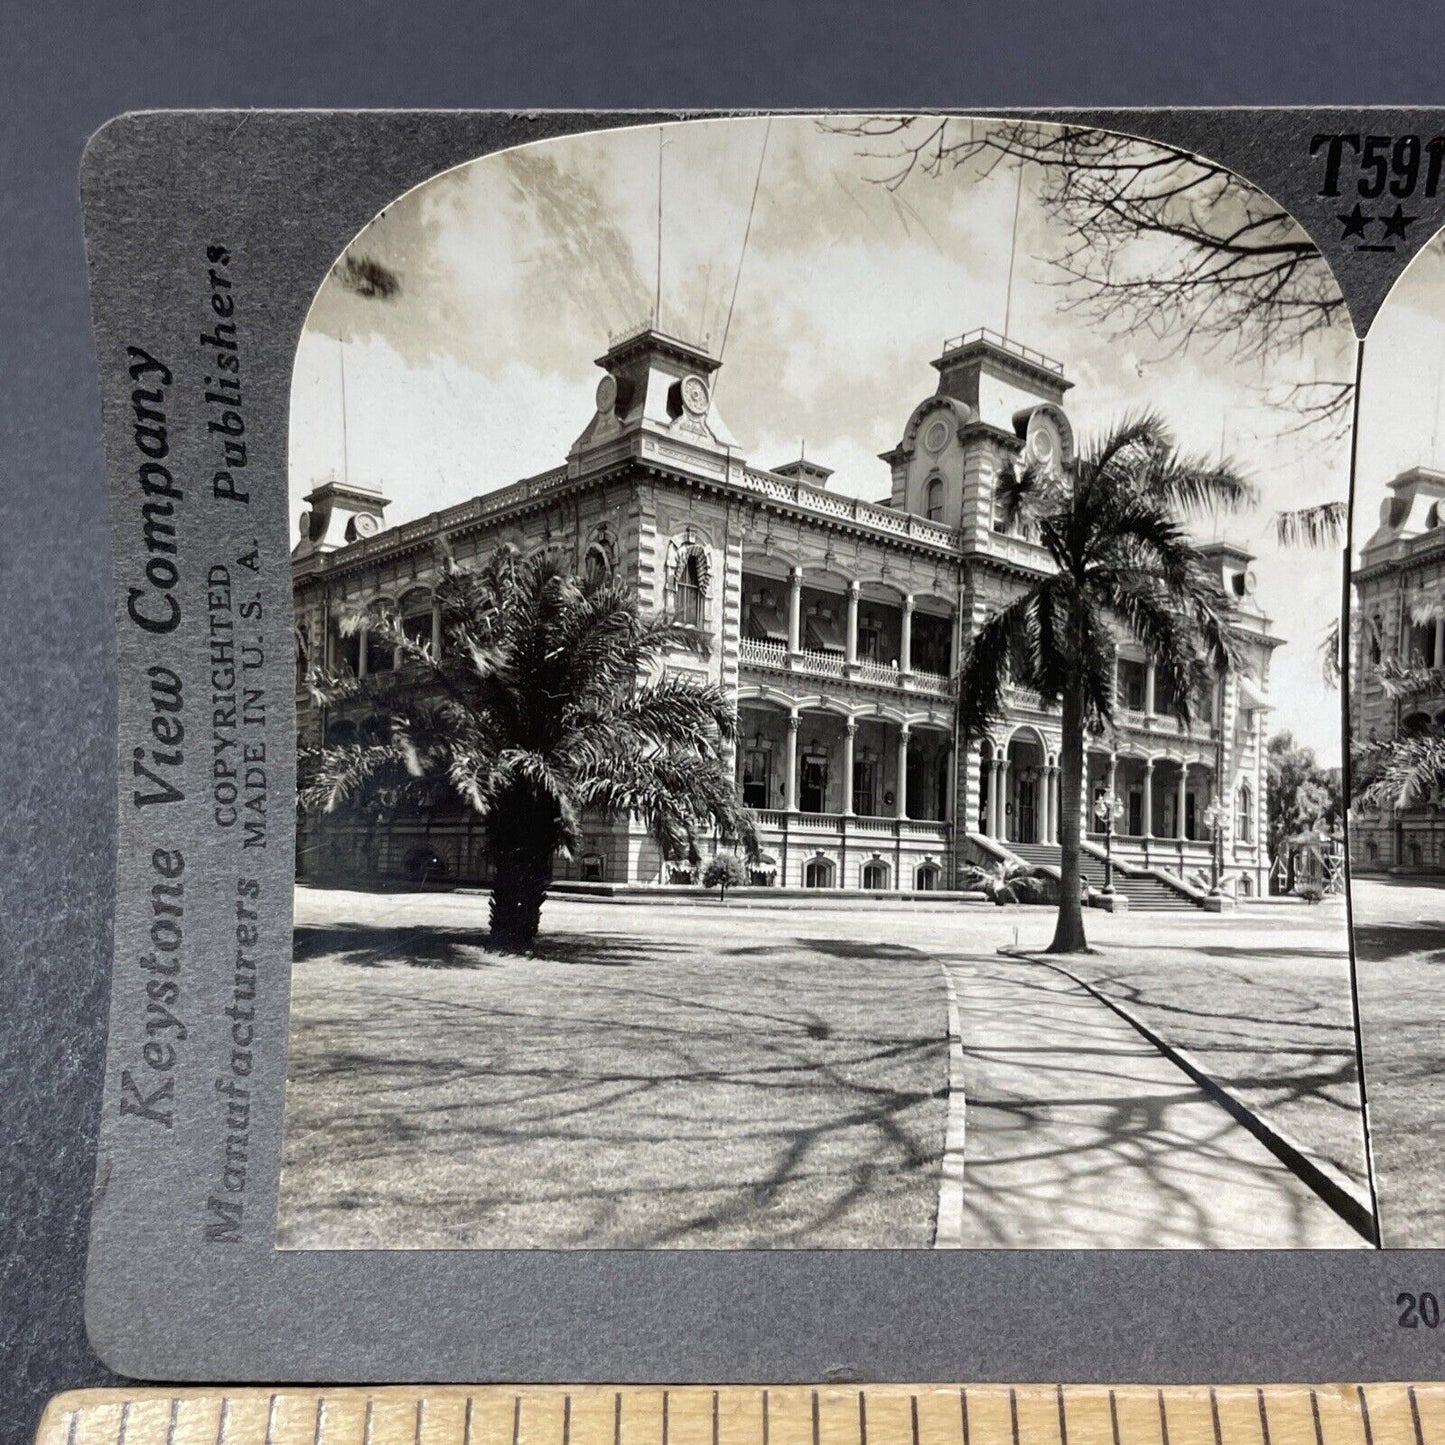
column 932, row 829
column 829, row 504
column 774, row 656
column 998, row 339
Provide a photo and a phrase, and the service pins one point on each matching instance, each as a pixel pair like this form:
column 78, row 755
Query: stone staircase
column 1146, row 891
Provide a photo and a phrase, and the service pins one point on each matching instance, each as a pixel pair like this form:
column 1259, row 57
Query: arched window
column 597, row 565
column 875, row 876
column 416, row 615
column 933, row 499
column 818, row 873
column 380, row 653
column 1244, row 820
column 925, row 879
column 687, row 583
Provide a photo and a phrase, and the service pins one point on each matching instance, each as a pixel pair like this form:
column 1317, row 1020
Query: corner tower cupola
column 1230, row 565
column 1415, row 506
column 659, row 383
column 338, row 514
column 997, row 378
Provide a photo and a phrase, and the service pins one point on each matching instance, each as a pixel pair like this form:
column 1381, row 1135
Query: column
column 1051, row 811
column 1003, row 799
column 850, row 729
column 1440, row 643
column 795, row 609
column 851, row 645
column 436, row 629
column 790, row 778
column 1149, row 797
column 905, row 645
column 901, row 791
column 1113, row 795
column 949, row 762
column 995, row 799
column 1149, row 688
column 1179, row 801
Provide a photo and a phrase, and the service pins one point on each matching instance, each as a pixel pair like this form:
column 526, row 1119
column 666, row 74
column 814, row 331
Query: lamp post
column 1108, row 810
column 1214, row 816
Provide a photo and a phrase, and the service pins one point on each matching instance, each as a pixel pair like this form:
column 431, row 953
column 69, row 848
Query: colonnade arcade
column 816, row 756
column 872, row 629
column 1158, row 797
column 1018, row 788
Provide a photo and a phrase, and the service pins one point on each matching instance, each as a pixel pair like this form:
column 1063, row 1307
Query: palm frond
column 1317, row 527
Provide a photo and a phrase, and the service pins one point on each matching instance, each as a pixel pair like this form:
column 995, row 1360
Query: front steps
column 1146, row 891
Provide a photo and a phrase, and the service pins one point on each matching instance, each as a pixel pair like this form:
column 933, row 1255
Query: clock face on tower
column 366, row 525
column 607, row 393
column 694, row 394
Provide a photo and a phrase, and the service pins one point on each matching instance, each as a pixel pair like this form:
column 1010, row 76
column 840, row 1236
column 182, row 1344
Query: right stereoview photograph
column 1397, row 745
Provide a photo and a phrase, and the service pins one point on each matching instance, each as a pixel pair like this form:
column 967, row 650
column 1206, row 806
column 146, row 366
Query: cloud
column 514, row 270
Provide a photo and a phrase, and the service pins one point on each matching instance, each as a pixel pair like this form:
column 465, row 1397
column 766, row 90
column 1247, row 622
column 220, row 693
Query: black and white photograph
column 1397, row 734
column 819, row 700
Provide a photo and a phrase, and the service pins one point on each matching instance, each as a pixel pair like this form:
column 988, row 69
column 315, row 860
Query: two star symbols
column 1354, row 222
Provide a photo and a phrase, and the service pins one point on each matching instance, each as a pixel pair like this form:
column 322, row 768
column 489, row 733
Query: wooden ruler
column 1389, row 1414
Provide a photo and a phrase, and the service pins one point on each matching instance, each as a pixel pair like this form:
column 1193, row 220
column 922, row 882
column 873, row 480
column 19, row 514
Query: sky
column 514, row 269
column 1402, row 387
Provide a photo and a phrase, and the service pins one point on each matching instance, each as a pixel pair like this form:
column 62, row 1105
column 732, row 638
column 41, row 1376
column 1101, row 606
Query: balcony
column 1160, row 726
column 775, row 657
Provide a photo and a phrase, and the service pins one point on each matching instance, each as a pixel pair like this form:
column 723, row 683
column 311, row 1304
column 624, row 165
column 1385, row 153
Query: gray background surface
column 67, row 69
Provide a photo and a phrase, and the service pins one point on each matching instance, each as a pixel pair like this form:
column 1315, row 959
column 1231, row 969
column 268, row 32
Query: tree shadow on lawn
column 1379, row 942
column 363, row 946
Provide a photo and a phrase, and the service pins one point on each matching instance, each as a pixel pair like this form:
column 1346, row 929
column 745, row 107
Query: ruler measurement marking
column 862, row 1418
column 1063, row 1419
column 420, row 1415
column 913, row 1416
column 320, row 1420
column 467, row 1421
column 566, row 1421
column 1013, row 1413
column 714, row 1419
column 665, row 1405
column 270, row 1419
column 1114, row 1416
column 1164, row 1422
column 1263, row 1418
column 765, row 1417
column 1365, row 1415
column 171, row 1421
column 1315, row 1411
column 617, row 1418
column 366, row 1427
column 1414, row 1415
column 221, row 1424
column 815, row 1418
column 1214, row 1415
column 963, row 1406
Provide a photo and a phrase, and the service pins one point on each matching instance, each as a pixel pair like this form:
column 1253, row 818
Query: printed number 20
column 1418, row 1309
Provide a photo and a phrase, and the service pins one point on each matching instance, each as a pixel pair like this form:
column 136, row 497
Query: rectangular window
column 757, row 774
column 865, row 787
column 1131, row 684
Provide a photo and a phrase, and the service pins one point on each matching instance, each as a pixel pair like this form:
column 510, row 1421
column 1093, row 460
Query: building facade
column 1399, row 589
column 837, row 625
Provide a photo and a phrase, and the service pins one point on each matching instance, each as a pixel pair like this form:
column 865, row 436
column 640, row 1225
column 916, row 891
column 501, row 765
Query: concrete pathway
column 1076, row 1133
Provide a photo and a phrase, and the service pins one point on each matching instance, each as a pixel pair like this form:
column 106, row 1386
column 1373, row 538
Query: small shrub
column 724, row 871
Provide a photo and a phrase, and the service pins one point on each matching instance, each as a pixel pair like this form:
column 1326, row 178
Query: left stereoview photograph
column 815, row 726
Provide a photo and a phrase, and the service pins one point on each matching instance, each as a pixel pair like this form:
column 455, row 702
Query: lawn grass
column 717, row 1079
column 1400, row 953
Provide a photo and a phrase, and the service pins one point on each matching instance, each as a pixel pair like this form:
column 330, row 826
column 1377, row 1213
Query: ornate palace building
column 837, row 624
column 1399, row 592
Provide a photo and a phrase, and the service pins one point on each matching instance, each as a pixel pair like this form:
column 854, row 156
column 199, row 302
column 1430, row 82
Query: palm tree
column 1113, row 523
column 538, row 710
column 1402, row 772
